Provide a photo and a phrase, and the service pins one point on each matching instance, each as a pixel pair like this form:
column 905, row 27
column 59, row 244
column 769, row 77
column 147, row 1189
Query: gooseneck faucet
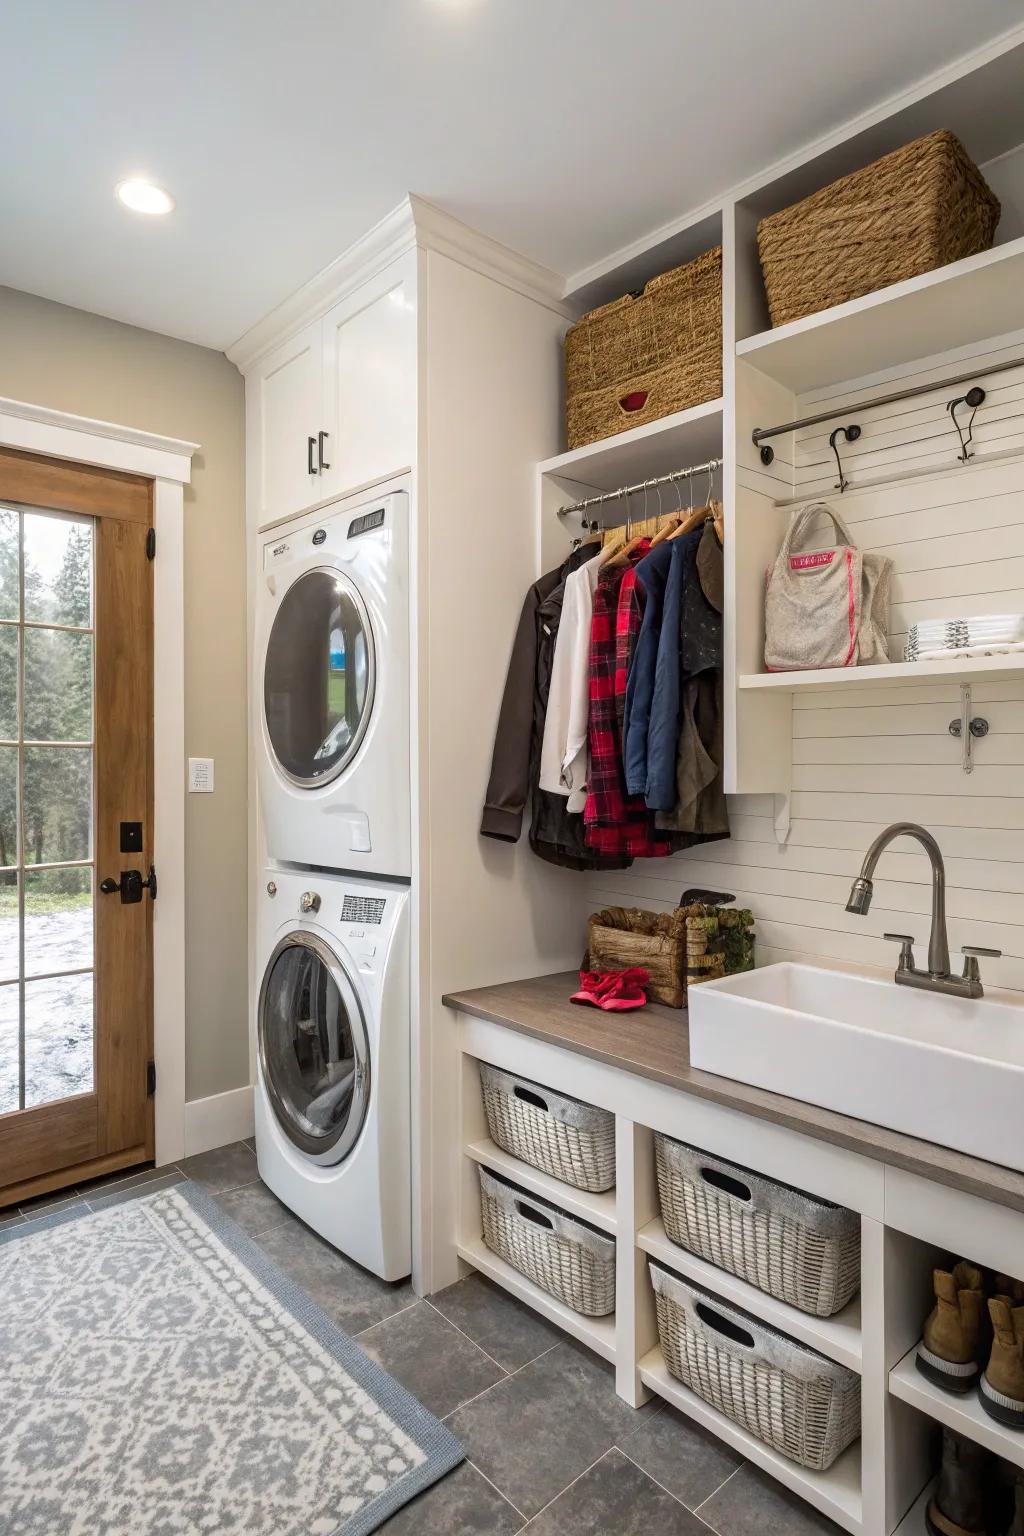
column 937, row 978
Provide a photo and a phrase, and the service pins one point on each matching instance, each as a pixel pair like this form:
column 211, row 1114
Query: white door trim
column 167, row 462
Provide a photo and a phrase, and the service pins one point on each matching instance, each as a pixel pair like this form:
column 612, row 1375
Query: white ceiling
column 565, row 128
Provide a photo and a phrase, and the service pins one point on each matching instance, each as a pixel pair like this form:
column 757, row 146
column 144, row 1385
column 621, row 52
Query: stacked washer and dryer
column 333, row 1014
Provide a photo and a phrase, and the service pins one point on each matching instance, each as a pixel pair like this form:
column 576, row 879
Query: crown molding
column 415, row 223
column 392, row 237
column 448, row 236
column 39, row 429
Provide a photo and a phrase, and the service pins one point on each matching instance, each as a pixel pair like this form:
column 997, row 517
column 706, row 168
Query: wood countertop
column 654, row 1042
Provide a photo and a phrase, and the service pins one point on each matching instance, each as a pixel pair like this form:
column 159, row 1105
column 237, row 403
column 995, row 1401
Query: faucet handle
column 977, row 949
column 906, row 943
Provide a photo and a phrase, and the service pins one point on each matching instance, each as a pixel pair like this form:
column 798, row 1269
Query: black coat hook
column 973, row 398
column 850, row 434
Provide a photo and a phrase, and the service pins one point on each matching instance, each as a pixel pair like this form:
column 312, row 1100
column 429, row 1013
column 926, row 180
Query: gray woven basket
column 797, row 1248
column 570, row 1140
column 567, row 1258
column 788, row 1396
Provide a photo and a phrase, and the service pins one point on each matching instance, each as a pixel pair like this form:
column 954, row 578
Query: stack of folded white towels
column 991, row 634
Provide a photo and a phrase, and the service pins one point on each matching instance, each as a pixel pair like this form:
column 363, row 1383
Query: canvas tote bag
column 825, row 607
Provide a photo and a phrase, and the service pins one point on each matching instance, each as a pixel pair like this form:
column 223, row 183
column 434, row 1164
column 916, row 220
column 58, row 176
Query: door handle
column 310, row 445
column 323, row 436
column 131, row 886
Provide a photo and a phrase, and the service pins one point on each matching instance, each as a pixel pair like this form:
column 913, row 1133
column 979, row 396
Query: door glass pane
column 309, row 1047
column 57, row 807
column 8, row 805
column 8, row 682
column 58, row 685
column 58, row 1039
column 8, row 925
column 46, row 939
column 9, row 1073
column 10, row 558
column 58, row 920
column 58, row 569
column 318, row 679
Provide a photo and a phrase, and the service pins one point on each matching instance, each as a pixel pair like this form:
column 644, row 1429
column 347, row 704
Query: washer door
column 314, row 1050
column 318, row 677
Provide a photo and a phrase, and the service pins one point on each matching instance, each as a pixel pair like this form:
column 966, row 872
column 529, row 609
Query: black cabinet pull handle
column 310, row 445
column 323, row 462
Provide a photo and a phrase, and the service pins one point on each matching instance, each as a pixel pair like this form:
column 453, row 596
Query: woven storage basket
column 915, row 209
column 620, row 937
column 647, row 354
column 789, row 1396
column 566, row 1257
column 797, row 1248
column 570, row 1140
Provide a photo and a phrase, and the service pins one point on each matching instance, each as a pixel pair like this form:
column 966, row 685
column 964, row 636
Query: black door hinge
column 150, row 1079
column 151, row 544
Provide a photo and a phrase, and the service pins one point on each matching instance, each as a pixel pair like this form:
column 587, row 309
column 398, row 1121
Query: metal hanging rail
column 625, row 491
column 761, row 434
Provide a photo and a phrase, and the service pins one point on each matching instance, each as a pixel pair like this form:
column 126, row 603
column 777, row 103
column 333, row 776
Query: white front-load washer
column 333, row 688
column 332, row 1089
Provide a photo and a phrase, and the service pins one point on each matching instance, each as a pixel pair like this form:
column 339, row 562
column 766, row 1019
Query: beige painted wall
column 55, row 356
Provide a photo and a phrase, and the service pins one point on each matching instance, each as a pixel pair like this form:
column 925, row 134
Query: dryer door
column 314, row 1050
column 318, row 677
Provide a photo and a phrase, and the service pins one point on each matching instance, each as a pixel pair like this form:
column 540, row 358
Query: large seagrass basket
column 647, row 354
column 915, row 209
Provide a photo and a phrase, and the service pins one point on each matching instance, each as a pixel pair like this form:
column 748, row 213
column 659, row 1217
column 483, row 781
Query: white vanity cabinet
column 333, row 408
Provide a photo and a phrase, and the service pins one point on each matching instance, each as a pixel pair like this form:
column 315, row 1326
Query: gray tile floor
column 550, row 1448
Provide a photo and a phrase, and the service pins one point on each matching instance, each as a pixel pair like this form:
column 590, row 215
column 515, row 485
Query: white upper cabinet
column 369, row 350
column 334, row 407
column 289, row 393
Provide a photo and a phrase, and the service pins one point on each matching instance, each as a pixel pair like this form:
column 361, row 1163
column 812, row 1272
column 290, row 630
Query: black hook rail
column 760, row 435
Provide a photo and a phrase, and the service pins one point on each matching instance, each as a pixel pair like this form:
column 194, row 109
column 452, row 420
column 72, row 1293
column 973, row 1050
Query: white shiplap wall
column 865, row 757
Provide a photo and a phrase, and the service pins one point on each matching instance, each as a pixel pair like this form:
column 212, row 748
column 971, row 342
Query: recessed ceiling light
column 143, row 197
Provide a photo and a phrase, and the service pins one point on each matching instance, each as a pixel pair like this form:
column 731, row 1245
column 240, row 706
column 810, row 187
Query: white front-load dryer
column 332, row 1089
column 333, row 688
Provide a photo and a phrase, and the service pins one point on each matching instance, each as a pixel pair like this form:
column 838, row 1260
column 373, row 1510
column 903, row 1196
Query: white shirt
column 564, row 757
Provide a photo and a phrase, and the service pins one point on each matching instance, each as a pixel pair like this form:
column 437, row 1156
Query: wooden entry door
column 76, row 819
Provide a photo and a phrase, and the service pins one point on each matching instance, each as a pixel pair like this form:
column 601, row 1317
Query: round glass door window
column 318, row 677
column 313, row 1047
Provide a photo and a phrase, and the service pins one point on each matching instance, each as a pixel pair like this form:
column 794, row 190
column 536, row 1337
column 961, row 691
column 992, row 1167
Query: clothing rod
column 759, row 434
column 642, row 485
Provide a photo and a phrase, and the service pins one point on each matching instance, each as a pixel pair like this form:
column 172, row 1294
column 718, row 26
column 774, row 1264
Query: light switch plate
column 200, row 775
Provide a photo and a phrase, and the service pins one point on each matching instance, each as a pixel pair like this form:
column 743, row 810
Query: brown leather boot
column 948, row 1352
column 957, row 1507
column 1002, row 1386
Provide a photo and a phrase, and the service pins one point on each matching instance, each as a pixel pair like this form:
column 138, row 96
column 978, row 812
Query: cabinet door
column 290, row 397
column 370, row 382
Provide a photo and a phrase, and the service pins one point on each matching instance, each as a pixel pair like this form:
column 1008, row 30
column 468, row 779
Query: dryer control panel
column 363, row 909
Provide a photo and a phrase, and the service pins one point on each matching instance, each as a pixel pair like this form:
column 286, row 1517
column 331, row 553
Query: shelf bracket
column 967, row 729
column 781, row 818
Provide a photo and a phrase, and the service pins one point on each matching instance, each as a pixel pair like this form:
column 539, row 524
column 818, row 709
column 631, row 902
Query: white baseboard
column 218, row 1120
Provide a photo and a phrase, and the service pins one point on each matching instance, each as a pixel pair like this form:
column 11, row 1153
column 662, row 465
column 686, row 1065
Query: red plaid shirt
column 615, row 823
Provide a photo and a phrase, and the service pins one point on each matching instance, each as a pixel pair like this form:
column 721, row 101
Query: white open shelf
column 965, row 1415
column 597, row 1209
column 973, row 668
column 913, row 1522
column 837, row 1337
column 836, row 1493
column 967, row 301
column 687, row 437
column 596, row 1332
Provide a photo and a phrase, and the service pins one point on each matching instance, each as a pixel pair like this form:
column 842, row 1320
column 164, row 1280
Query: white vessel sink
column 947, row 1069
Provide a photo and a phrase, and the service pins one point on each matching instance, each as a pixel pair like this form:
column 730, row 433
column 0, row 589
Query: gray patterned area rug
column 159, row 1376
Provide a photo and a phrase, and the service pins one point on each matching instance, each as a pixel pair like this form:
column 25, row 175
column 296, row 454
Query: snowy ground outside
column 58, row 1012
